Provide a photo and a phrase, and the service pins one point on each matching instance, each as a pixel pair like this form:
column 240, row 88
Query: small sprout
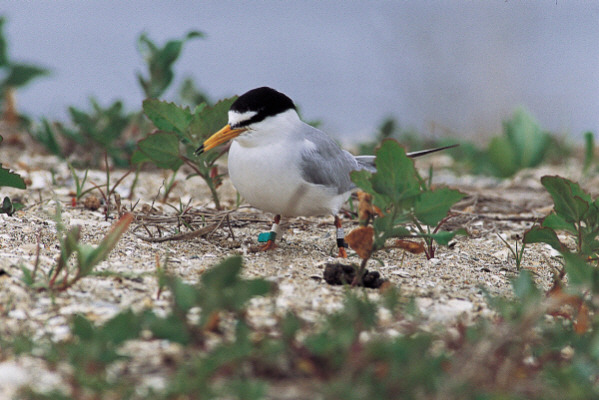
column 9, row 207
column 65, row 274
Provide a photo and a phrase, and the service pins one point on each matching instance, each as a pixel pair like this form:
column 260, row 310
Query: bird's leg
column 271, row 236
column 341, row 244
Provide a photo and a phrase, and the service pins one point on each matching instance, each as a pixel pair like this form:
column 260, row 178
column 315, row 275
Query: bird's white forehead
column 236, row 118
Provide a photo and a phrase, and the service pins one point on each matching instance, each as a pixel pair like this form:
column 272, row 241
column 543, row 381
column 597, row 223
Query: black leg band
column 341, row 243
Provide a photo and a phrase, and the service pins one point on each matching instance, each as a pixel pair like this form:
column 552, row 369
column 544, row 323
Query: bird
column 284, row 166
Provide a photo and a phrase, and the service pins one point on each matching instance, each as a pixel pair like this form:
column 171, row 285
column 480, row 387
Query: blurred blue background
column 454, row 68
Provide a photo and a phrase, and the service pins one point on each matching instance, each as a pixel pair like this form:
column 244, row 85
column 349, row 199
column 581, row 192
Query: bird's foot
column 269, row 240
column 269, row 245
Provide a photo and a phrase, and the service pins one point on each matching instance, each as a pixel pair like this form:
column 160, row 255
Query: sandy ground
column 445, row 288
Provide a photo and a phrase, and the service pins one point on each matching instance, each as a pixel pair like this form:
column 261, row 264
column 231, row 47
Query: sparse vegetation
column 198, row 334
column 335, row 360
column 574, row 212
column 398, row 196
column 64, row 274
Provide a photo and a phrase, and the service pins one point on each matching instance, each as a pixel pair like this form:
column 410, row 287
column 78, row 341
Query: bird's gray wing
column 323, row 162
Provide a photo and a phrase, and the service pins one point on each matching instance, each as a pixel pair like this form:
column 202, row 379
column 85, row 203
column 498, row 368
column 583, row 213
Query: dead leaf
column 361, row 240
column 412, row 247
column 581, row 325
column 213, row 323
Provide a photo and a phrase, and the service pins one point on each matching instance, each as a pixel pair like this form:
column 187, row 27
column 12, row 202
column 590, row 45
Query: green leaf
column 432, row 206
column 139, row 157
column 11, row 179
column 362, row 180
column 579, row 272
column 537, row 234
column 170, row 328
column 3, row 45
column 83, row 328
column 167, row 117
column 20, row 74
column 194, row 34
column 443, row 238
column 556, row 222
column 223, row 275
column 69, row 244
column 502, row 156
column 570, row 201
column 526, row 138
column 208, row 120
column 162, row 149
column 392, row 225
column 27, row 277
column 45, row 135
column 395, row 175
column 9, row 207
column 223, row 289
column 123, row 326
column 100, row 252
column 589, row 150
column 525, row 288
column 185, row 296
column 160, row 62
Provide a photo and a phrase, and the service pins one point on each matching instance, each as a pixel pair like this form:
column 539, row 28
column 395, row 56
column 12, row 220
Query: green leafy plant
column 15, row 75
column 47, row 135
column 575, row 213
column 401, row 197
column 190, row 95
column 589, row 150
column 9, row 207
column 180, row 132
column 221, row 294
column 79, row 183
column 101, row 129
column 160, row 62
column 221, row 290
column 111, row 129
column 65, row 274
column 10, row 179
column 94, row 348
column 522, row 145
column 537, row 346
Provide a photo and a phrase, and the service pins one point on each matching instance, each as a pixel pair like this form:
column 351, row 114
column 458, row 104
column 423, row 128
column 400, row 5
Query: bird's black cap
column 265, row 101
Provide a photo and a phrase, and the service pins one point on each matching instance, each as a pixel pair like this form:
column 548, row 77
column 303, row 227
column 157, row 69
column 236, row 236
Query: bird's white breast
column 268, row 176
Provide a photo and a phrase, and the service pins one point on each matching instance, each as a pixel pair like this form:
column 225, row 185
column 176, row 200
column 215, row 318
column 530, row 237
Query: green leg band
column 266, row 236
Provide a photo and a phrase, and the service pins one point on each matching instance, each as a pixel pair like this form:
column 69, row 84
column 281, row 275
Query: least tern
column 281, row 165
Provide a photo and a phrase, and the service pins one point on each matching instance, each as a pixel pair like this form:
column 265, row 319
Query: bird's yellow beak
column 222, row 136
